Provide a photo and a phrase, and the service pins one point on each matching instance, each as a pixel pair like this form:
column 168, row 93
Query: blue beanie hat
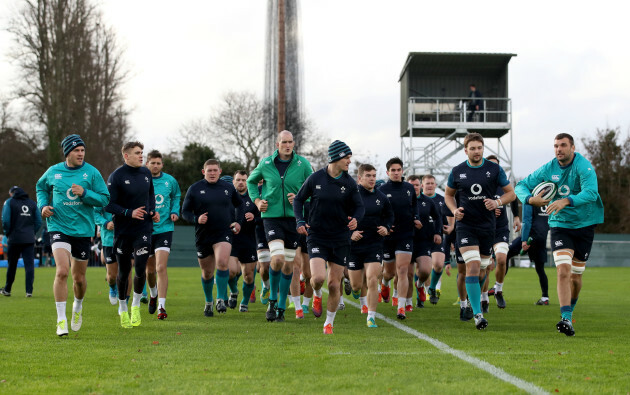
column 337, row 150
column 71, row 142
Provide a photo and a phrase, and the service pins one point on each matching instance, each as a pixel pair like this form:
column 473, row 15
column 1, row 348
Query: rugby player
column 66, row 196
column 366, row 250
column 108, row 255
column 210, row 204
column 133, row 205
column 167, row 198
column 398, row 246
column 244, row 246
column 336, row 207
column 574, row 213
column 476, row 180
column 283, row 173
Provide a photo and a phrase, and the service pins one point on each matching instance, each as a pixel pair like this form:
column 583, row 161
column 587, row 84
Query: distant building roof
column 448, row 63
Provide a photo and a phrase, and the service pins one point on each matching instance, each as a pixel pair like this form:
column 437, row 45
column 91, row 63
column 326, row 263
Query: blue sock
column 566, row 312
column 144, row 290
column 233, row 284
column 114, row 288
column 207, row 286
column 285, row 284
column 247, row 291
column 483, row 280
column 573, row 303
column 474, row 293
column 435, row 278
column 222, row 284
column 274, row 283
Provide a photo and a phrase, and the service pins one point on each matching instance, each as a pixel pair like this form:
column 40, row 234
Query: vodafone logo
column 25, row 209
column 564, row 190
column 159, row 199
column 476, row 189
column 71, row 195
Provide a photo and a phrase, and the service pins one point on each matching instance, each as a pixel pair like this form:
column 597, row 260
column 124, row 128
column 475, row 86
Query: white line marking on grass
column 476, row 362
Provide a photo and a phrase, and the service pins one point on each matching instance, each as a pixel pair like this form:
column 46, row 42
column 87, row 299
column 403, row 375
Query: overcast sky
column 571, row 73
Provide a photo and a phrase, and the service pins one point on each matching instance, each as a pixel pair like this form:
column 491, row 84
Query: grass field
column 242, row 353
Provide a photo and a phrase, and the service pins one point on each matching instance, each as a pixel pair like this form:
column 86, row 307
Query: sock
column 301, row 276
column 207, row 286
column 285, row 284
column 274, row 281
column 122, row 306
column 463, row 303
column 136, row 300
column 317, row 292
column 474, row 293
column 144, row 290
column 247, row 291
column 544, row 298
column 363, row 300
column 408, row 302
column 222, row 278
column 484, row 297
column 566, row 312
column 371, row 314
column 233, row 284
column 61, row 311
column 402, row 302
column 113, row 287
column 341, row 300
column 306, row 301
column 265, row 283
column 573, row 303
column 395, row 295
column 379, row 288
column 435, row 277
column 439, row 283
column 153, row 292
column 330, row 317
column 161, row 303
column 498, row 287
column 77, row 305
column 296, row 302
column 386, row 283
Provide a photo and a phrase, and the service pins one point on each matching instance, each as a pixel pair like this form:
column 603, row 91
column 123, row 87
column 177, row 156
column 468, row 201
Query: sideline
column 445, row 348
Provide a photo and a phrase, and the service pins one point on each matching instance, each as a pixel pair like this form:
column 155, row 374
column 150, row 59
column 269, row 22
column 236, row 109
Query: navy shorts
column 109, row 254
column 136, row 245
column 161, row 241
column 338, row 254
column 261, row 240
column 421, row 248
column 302, row 243
column 204, row 246
column 469, row 236
column 79, row 247
column 502, row 235
column 391, row 246
column 282, row 229
column 537, row 251
column 244, row 249
column 439, row 247
column 358, row 258
column 579, row 240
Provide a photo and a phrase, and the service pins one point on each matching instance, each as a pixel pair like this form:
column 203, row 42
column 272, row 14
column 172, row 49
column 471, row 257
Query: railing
column 458, row 110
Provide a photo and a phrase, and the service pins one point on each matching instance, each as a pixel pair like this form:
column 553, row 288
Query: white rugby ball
column 548, row 189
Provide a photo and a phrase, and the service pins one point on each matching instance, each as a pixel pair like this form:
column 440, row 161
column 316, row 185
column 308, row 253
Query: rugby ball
column 548, row 189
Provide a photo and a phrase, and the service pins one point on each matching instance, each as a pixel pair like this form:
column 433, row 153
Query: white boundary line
column 445, row 348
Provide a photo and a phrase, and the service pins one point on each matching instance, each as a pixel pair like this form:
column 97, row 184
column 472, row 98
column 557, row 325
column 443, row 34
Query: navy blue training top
column 402, row 197
column 535, row 223
column 333, row 200
column 248, row 228
column 430, row 218
column 378, row 212
column 20, row 218
column 130, row 188
column 443, row 210
column 219, row 200
column 474, row 184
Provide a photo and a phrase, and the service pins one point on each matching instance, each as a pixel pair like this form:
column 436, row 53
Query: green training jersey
column 72, row 215
column 102, row 217
column 167, row 197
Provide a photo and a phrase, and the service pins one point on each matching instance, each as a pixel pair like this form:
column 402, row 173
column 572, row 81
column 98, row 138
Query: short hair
column 240, row 173
column 413, row 177
column 472, row 137
column 473, row 85
column 278, row 139
column 212, row 162
column 393, row 161
column 154, row 154
column 131, row 144
column 364, row 167
column 493, row 157
column 427, row 176
column 565, row 136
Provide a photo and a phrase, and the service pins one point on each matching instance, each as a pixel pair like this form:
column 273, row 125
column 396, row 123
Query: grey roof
column 449, row 63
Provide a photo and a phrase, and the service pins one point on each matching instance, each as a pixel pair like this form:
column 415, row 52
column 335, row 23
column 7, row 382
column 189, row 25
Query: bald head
column 285, row 145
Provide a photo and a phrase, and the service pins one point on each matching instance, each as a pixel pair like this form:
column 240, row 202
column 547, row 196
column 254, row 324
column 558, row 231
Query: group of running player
column 300, row 229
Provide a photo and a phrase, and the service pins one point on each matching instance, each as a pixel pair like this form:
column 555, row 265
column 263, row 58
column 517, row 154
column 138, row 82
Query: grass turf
column 241, row 352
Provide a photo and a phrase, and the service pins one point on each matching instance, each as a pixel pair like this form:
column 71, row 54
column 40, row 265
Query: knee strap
column 264, row 256
column 562, row 257
column 276, row 248
column 471, row 255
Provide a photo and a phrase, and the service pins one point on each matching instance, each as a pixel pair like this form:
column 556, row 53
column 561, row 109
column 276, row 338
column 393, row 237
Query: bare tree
column 71, row 73
column 235, row 129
